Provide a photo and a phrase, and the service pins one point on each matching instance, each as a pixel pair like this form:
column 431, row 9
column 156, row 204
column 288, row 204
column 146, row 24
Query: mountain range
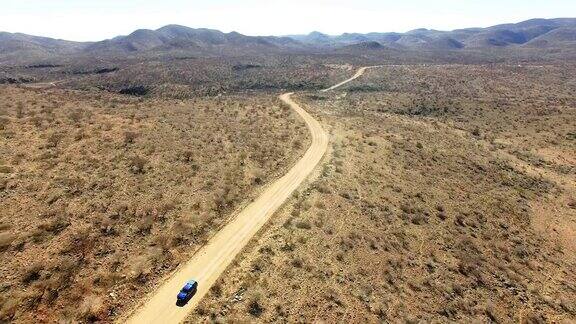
column 534, row 33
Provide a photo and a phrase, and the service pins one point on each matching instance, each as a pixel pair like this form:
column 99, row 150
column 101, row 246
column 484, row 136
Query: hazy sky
column 86, row 20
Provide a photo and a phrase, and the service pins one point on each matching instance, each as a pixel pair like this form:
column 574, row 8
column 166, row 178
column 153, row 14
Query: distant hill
column 364, row 46
column 504, row 35
column 313, row 38
column 184, row 41
column 175, row 37
column 21, row 42
column 561, row 36
column 171, row 38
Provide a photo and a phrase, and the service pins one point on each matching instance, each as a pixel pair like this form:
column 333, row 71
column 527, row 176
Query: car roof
column 189, row 285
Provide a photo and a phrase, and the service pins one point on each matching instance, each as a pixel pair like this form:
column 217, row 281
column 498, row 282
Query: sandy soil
column 213, row 259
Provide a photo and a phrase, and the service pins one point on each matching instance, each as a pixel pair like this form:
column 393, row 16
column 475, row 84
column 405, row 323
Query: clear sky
column 90, row 20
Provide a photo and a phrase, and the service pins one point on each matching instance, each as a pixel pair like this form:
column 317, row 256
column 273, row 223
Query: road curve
column 213, row 258
column 358, row 74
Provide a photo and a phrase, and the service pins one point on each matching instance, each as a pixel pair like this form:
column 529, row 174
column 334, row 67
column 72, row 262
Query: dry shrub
column 32, row 273
column 303, row 224
column 75, row 115
column 216, row 289
column 297, row 262
column 6, row 238
column 53, row 140
column 137, row 164
column 19, row 110
column 4, row 121
column 91, row 308
column 130, row 137
column 138, row 268
column 55, row 226
column 323, row 187
column 255, row 307
column 145, row 225
column 164, row 240
column 187, row 156
column 8, row 307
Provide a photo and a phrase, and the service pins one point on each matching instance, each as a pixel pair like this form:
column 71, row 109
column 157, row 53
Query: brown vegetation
column 448, row 196
column 102, row 195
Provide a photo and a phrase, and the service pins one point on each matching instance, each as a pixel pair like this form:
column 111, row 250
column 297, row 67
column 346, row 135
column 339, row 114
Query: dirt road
column 42, row 85
column 213, row 259
column 358, row 74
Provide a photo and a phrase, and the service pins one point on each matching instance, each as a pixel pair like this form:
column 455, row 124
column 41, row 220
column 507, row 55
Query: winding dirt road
column 358, row 74
column 213, row 259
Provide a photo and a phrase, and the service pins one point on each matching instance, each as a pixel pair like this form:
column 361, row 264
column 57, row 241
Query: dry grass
column 189, row 77
column 424, row 211
column 102, row 195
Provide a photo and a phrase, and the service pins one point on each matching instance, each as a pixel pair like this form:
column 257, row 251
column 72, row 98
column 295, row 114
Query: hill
column 175, row 37
column 369, row 45
column 504, row 35
column 535, row 38
column 26, row 47
column 10, row 43
column 143, row 42
column 563, row 35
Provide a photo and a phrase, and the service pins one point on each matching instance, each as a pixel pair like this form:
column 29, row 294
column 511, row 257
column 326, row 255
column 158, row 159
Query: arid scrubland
column 101, row 195
column 448, row 195
column 188, row 77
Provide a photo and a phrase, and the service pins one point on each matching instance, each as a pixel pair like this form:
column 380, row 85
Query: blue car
column 186, row 293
